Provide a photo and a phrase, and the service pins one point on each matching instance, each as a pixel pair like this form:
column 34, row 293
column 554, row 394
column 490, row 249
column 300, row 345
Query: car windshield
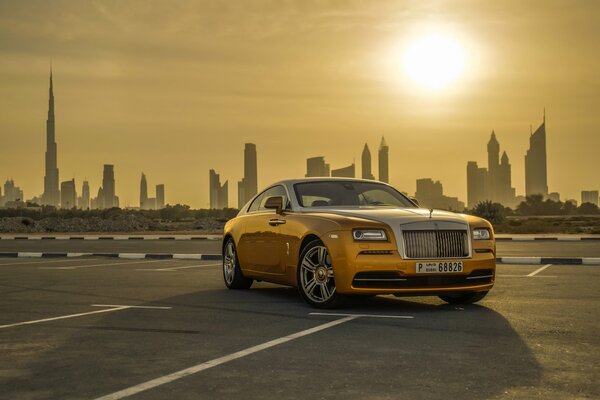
column 349, row 194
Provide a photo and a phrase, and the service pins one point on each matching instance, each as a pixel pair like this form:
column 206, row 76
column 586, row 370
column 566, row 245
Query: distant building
column 316, row 166
column 554, row 196
column 589, row 196
column 160, row 196
column 144, row 193
column 430, row 194
column 384, row 175
column 494, row 183
column 109, row 200
column 536, row 179
column 83, row 201
column 12, row 194
column 219, row 194
column 366, row 163
column 345, row 172
column 68, row 195
column 51, row 195
column 248, row 186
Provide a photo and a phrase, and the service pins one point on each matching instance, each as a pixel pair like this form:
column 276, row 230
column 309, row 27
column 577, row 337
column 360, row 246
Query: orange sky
column 176, row 88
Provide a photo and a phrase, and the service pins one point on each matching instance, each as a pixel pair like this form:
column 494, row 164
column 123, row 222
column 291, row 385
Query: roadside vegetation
column 534, row 215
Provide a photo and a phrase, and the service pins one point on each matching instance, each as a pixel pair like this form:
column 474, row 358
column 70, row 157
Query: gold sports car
column 333, row 237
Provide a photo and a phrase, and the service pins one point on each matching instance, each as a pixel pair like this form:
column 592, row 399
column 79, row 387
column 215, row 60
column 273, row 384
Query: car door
column 261, row 245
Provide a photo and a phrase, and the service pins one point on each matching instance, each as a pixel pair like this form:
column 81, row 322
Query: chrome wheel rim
column 316, row 275
column 229, row 263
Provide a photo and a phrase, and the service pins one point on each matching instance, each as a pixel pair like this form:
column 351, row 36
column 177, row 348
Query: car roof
column 323, row 179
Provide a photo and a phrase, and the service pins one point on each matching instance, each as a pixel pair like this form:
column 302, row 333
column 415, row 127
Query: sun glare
column 434, row 61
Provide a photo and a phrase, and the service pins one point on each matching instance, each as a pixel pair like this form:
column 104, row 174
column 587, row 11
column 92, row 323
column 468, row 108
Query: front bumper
column 358, row 272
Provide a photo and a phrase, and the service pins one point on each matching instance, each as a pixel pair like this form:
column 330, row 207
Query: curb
column 549, row 260
column 546, row 239
column 107, row 238
column 134, row 256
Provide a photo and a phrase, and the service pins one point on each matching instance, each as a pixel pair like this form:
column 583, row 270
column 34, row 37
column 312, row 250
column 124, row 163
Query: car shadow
column 467, row 352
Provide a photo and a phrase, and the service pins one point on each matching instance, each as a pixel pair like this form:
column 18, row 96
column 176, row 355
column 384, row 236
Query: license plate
column 439, row 267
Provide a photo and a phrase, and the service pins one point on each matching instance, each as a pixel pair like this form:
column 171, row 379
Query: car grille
column 395, row 280
column 429, row 244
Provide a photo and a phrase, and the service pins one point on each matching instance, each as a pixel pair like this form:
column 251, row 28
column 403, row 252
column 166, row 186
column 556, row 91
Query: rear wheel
column 232, row 274
column 463, row 297
column 316, row 282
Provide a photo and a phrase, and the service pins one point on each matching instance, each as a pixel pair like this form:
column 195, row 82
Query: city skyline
column 166, row 93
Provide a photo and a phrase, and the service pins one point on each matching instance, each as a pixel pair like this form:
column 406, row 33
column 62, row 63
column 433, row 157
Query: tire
column 316, row 282
column 464, row 297
column 232, row 274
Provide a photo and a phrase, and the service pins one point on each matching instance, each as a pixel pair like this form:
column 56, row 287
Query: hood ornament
column 430, row 212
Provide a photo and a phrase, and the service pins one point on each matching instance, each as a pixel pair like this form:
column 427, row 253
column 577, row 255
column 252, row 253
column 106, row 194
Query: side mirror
column 275, row 203
column 414, row 200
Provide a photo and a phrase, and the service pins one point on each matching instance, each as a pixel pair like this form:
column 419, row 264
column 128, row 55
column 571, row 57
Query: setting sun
column 434, row 61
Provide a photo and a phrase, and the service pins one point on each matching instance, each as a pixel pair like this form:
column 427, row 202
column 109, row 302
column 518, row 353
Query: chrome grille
column 428, row 244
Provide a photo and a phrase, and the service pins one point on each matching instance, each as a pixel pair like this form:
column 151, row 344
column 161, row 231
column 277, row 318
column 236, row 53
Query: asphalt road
column 505, row 249
column 533, row 337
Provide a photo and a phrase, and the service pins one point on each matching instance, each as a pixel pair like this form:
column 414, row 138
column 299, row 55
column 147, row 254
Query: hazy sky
column 174, row 88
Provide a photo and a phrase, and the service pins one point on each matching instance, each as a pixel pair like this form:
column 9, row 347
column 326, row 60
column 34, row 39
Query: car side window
column 272, row 192
column 256, row 202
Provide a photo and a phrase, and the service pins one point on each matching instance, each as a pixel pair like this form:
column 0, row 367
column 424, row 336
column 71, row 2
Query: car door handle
column 275, row 222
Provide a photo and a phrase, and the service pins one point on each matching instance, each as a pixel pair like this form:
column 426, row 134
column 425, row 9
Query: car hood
column 396, row 216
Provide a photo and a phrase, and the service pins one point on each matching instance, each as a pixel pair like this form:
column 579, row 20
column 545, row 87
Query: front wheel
column 316, row 282
column 463, row 297
column 232, row 274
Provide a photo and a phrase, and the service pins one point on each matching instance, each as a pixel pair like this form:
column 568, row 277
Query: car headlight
column 369, row 234
column 481, row 234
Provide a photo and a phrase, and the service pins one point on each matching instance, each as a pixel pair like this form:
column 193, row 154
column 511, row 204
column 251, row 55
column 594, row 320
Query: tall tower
column 248, row 186
column 108, row 187
column 493, row 148
column 384, row 161
column 536, row 176
column 143, row 193
column 51, row 195
column 366, row 163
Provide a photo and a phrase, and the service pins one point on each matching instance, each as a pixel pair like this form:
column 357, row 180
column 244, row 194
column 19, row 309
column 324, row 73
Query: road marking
column 178, row 268
column 534, row 273
column 124, row 305
column 218, row 361
column 364, row 315
column 525, row 276
column 37, row 321
column 102, row 265
column 45, row 262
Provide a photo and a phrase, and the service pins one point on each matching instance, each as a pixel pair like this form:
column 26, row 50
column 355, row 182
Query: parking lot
column 90, row 328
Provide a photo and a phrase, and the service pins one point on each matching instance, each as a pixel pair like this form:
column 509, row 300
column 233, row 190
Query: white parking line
column 525, row 276
column 534, row 273
column 218, row 361
column 124, row 305
column 178, row 268
column 37, row 321
column 364, row 315
column 102, row 265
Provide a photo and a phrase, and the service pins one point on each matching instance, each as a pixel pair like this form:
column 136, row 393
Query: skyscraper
column 384, row 161
column 493, row 183
column 160, row 196
column 84, row 200
column 219, row 194
column 248, row 186
column 589, row 196
column 536, row 178
column 366, row 163
column 51, row 195
column 109, row 200
column 143, row 193
column 316, row 166
column 68, row 194
column 345, row 172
